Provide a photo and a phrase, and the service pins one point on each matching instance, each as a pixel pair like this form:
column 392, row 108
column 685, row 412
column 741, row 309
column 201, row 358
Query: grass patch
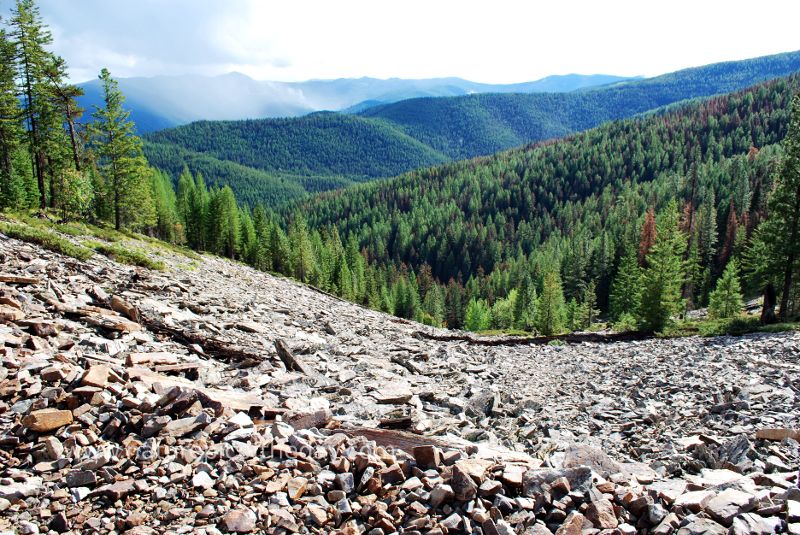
column 133, row 257
column 46, row 238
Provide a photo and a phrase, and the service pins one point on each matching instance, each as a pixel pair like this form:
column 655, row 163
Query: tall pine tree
column 120, row 158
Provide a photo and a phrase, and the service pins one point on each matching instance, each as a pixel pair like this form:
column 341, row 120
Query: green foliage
column 663, row 277
column 626, row 289
column 122, row 165
column 478, row 316
column 781, row 231
column 626, row 322
column 726, row 299
column 550, row 308
column 47, row 239
column 126, row 255
column 75, row 195
column 467, row 126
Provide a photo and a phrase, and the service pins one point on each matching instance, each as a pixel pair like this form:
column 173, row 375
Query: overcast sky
column 495, row 41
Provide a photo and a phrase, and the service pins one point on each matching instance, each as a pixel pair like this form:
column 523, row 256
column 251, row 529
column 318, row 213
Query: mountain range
column 275, row 160
column 165, row 101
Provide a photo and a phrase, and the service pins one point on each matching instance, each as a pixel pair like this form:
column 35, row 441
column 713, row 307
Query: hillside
column 317, row 144
column 463, row 127
column 576, row 203
column 213, row 396
column 386, row 140
column 160, row 102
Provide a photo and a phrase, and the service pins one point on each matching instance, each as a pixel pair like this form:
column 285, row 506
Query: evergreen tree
column 224, row 225
column 32, row 38
column 648, row 235
column 782, row 228
column 663, row 278
column 477, row 317
column 11, row 189
column 453, row 305
column 301, row 253
column 167, row 227
column 63, row 97
column 262, row 255
column 525, row 304
column 550, row 308
column 726, row 299
column 121, row 160
column 626, row 290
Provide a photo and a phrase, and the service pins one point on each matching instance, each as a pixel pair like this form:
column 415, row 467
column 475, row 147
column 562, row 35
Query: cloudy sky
column 497, row 41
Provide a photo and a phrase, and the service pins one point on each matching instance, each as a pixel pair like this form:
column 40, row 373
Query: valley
column 373, row 305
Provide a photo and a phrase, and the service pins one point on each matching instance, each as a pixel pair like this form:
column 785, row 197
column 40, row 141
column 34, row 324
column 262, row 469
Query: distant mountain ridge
column 331, row 150
column 166, row 101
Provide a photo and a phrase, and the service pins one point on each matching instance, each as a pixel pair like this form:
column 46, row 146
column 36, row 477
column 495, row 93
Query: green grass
column 126, row 255
column 46, row 238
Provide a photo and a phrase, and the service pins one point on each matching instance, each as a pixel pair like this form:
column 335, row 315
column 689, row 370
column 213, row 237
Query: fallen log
column 209, row 346
column 572, row 338
column 16, row 279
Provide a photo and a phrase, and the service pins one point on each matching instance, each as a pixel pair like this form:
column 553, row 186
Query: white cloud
column 501, row 41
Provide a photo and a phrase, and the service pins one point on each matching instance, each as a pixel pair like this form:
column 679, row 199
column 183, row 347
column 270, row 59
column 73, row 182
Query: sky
column 491, row 41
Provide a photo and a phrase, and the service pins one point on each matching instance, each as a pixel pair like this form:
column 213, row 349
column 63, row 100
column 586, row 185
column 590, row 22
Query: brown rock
column 778, row 433
column 427, row 457
column 572, row 525
column 118, row 304
column 601, row 514
column 8, row 313
column 239, row 521
column 463, row 486
column 96, row 375
column 45, row 420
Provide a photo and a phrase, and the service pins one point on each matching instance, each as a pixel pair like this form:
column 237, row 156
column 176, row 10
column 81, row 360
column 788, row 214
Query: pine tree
column 626, row 290
column 477, row 317
column 11, row 189
column 164, row 201
column 525, row 305
column 122, row 163
column 782, row 228
column 731, row 230
column 550, row 308
column 301, row 254
column 223, row 223
column 32, row 38
column 648, row 235
column 663, row 278
column 63, row 97
column 726, row 299
column 263, row 257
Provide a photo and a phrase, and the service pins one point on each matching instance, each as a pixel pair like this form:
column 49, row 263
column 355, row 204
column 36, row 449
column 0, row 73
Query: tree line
column 48, row 158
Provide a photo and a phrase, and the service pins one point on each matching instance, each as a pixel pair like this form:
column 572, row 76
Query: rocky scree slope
column 214, row 398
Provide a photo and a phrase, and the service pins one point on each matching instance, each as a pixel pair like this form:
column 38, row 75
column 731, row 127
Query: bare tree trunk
column 768, row 307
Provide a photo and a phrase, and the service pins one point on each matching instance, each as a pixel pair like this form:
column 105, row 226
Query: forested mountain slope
column 337, row 149
column 576, row 204
column 166, row 101
column 320, row 143
column 473, row 125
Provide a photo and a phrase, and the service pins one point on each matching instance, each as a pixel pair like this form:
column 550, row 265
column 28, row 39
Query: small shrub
column 626, row 323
